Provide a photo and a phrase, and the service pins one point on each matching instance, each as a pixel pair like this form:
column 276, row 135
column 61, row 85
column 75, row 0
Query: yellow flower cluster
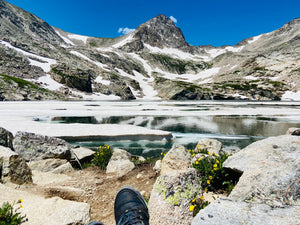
column 192, row 207
column 20, row 201
column 195, row 202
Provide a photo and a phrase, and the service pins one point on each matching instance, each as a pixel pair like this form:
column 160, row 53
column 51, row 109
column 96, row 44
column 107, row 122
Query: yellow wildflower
column 210, row 177
column 208, row 181
column 192, row 207
column 20, row 200
column 215, row 154
column 201, row 198
column 215, row 168
column 205, row 190
column 199, row 159
column 162, row 153
column 217, row 161
column 21, row 206
column 194, row 200
column 193, row 154
column 197, row 162
column 215, row 165
column 208, row 153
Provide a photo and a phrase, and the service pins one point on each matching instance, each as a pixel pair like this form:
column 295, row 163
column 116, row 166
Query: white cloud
column 173, row 19
column 125, row 30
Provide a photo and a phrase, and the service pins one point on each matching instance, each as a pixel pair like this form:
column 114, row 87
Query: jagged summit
column 159, row 32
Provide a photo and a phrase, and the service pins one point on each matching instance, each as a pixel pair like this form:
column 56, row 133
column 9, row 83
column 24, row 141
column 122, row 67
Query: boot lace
column 132, row 217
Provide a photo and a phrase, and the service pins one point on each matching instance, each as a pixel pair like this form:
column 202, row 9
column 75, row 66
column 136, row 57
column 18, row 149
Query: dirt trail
column 94, row 187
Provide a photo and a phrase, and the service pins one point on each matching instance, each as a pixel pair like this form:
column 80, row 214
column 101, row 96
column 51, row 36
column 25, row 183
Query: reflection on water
column 233, row 131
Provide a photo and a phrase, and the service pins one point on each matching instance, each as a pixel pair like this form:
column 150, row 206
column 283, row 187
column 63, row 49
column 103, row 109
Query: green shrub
column 9, row 216
column 102, row 156
column 212, row 173
column 214, row 177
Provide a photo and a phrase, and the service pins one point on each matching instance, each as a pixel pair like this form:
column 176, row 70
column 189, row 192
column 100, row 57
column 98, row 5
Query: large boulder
column 51, row 165
column 228, row 212
column 6, row 138
column 83, row 155
column 33, row 147
column 47, row 211
column 172, row 195
column 271, row 168
column 210, row 145
column 14, row 168
column 178, row 158
column 120, row 163
column 268, row 190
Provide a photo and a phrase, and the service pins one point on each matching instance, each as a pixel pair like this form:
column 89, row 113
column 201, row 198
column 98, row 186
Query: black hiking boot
column 130, row 207
column 95, row 223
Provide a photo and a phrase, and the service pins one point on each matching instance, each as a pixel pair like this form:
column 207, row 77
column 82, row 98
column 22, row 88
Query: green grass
column 22, row 83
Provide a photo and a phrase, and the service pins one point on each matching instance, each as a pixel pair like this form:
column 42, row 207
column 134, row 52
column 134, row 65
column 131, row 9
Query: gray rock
column 14, row 168
column 271, row 171
column 33, row 147
column 84, row 155
column 6, row 138
column 47, row 211
column 51, row 165
column 120, row 163
column 210, row 145
column 228, row 212
column 293, row 131
column 171, row 197
column 157, row 166
column 178, row 158
column 268, row 190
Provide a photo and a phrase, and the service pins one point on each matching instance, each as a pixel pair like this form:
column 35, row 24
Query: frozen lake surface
column 235, row 123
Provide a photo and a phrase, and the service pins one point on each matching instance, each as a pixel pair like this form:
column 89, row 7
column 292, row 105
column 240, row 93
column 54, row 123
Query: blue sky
column 215, row 22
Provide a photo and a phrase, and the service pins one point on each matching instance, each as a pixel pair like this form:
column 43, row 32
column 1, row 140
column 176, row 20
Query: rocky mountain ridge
column 153, row 62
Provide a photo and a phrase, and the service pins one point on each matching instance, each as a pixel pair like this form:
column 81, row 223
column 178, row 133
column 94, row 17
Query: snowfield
column 42, row 62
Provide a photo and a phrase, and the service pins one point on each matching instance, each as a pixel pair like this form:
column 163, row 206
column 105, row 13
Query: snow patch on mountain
column 35, row 60
column 88, row 59
column 49, row 83
column 78, row 37
column 68, row 41
column 144, row 82
column 290, row 95
column 146, row 66
column 123, row 42
column 219, row 51
column 254, row 39
column 102, row 81
column 176, row 53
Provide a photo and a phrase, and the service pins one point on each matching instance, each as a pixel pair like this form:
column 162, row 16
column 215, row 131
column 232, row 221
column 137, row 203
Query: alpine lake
column 234, row 123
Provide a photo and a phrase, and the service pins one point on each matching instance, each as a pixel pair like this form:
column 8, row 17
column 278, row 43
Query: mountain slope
column 153, row 62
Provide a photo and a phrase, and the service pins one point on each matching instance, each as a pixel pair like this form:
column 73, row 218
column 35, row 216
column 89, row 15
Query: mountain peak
column 161, row 32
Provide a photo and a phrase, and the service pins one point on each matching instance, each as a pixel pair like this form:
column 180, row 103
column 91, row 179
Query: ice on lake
column 235, row 123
